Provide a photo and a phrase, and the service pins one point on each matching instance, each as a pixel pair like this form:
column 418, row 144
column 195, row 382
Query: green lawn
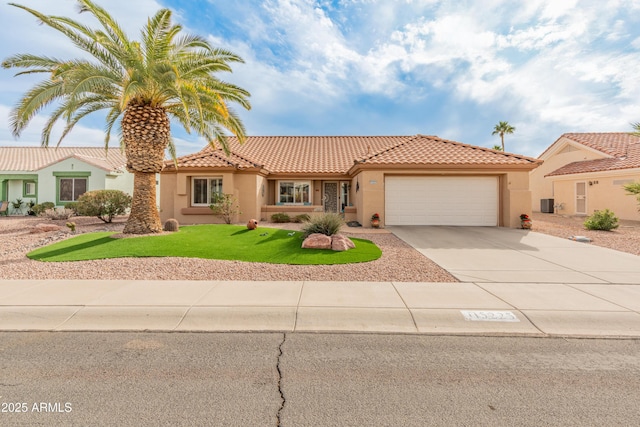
column 225, row 242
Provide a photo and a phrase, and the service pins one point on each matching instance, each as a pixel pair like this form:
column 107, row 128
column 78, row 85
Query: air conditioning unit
column 546, row 205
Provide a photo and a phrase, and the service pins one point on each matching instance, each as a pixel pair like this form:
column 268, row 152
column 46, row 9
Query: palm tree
column 501, row 129
column 141, row 85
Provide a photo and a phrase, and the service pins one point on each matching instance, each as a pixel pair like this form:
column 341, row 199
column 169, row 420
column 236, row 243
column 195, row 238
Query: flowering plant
column 524, row 217
column 375, row 216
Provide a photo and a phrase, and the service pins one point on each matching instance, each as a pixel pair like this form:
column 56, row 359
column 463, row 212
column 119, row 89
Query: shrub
column 171, row 225
column 328, row 224
column 602, row 220
column 634, row 189
column 301, row 218
column 104, row 204
column 280, row 217
column 226, row 206
column 41, row 207
column 72, row 206
column 58, row 213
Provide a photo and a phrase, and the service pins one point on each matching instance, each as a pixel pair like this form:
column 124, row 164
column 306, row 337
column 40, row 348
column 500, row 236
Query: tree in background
column 140, row 84
column 501, row 129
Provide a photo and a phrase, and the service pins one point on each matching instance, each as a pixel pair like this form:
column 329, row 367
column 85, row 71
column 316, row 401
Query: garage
column 457, row 200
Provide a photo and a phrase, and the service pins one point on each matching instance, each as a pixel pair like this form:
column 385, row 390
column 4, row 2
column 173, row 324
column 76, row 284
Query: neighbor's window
column 72, row 188
column 204, row 190
column 29, row 189
column 294, row 192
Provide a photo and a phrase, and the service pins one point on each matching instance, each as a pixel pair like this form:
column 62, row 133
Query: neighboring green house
column 59, row 175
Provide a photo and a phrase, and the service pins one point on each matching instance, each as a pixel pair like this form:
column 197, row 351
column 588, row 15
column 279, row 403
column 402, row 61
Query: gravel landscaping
column 399, row 262
column 625, row 238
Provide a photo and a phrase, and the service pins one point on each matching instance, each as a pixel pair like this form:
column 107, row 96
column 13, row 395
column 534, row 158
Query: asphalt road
column 138, row 379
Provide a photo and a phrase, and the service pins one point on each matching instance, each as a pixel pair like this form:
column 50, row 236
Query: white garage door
column 441, row 201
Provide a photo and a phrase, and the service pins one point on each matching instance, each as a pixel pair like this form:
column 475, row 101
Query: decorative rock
column 44, row 228
column 252, row 224
column 340, row 242
column 317, row 241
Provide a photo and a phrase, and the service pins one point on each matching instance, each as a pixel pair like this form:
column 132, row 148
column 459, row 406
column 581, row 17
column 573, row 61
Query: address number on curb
column 489, row 316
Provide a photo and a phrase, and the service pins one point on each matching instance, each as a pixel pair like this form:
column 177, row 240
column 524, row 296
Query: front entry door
column 581, row 197
column 331, row 197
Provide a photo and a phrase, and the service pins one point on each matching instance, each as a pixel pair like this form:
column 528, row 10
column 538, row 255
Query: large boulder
column 340, row 242
column 317, row 241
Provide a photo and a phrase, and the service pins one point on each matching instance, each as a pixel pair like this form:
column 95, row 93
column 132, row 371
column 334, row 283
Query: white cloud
column 81, row 135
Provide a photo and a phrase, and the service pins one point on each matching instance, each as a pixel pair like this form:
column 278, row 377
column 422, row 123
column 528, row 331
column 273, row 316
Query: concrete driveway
column 505, row 255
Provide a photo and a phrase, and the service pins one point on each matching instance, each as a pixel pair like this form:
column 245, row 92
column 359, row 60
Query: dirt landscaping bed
column 625, row 238
column 399, row 261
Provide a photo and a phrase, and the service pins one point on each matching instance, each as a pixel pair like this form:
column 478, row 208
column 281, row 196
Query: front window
column 29, row 189
column 294, row 192
column 72, row 188
column 205, row 190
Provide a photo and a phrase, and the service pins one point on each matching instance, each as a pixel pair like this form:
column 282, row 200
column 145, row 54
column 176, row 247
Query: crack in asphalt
column 283, row 401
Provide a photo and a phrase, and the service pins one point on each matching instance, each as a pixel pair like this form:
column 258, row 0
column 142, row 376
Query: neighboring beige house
column 59, row 175
column 421, row 180
column 586, row 172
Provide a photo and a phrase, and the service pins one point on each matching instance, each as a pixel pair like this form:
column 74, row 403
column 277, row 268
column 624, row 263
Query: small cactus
column 72, row 226
column 171, row 225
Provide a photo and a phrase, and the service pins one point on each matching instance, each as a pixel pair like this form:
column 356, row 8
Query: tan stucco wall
column 515, row 195
column 555, row 158
column 605, row 192
column 515, row 198
column 175, row 190
column 369, row 198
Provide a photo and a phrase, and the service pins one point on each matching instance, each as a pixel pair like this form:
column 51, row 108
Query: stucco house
column 586, row 172
column 405, row 179
column 59, row 175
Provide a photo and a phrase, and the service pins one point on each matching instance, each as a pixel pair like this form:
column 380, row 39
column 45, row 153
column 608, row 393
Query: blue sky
column 388, row 67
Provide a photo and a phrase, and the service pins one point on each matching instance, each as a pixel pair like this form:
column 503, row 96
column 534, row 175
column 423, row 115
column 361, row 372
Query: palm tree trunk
column 502, row 139
column 144, row 217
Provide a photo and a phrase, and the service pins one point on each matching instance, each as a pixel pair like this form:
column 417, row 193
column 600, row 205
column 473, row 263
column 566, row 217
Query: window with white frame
column 294, row 192
column 205, row 190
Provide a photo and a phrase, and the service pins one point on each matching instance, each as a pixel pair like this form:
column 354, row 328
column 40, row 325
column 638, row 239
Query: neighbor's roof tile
column 624, row 149
column 30, row 159
column 337, row 154
column 629, row 161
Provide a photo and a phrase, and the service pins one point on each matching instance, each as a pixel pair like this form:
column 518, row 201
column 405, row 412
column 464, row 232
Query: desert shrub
column 301, row 218
column 226, row 206
column 328, row 224
column 73, row 206
column 171, row 225
column 58, row 213
column 634, row 189
column 41, row 207
column 104, row 204
column 602, row 220
column 280, row 217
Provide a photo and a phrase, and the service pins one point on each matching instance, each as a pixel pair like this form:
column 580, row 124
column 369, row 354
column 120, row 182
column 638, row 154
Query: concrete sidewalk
column 535, row 309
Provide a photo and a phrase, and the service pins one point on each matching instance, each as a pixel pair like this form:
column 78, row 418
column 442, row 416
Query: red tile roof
column 338, row 154
column 30, row 159
column 622, row 149
column 431, row 150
